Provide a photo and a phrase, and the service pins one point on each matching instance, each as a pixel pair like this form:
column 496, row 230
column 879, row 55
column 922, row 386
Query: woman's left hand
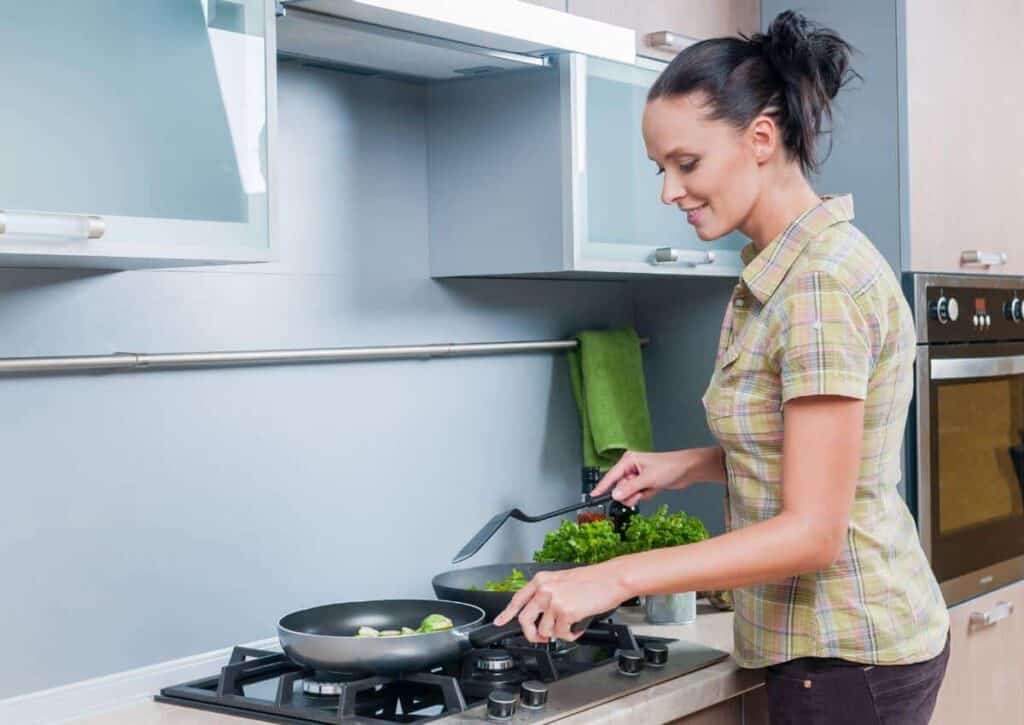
column 564, row 598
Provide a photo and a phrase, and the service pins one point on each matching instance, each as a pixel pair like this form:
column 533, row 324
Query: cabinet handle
column 1001, row 611
column 667, row 40
column 987, row 259
column 668, row 255
column 52, row 226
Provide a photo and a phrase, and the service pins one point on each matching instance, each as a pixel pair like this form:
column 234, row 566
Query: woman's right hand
column 637, row 476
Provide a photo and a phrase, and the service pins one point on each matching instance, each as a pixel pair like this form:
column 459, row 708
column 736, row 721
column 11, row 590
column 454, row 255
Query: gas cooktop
column 512, row 678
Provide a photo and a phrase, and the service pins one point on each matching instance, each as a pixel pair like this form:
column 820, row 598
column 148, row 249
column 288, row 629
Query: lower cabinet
column 748, row 709
column 985, row 678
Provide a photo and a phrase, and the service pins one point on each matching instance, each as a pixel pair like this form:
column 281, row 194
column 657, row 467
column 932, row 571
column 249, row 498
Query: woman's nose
column 671, row 191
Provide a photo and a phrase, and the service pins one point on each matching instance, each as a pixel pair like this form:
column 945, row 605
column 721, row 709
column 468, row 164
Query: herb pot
column 671, row 608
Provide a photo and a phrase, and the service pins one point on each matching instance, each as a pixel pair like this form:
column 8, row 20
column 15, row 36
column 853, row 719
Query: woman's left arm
column 820, row 467
column 821, row 453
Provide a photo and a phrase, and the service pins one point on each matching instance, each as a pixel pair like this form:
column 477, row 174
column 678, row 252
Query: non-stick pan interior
column 343, row 620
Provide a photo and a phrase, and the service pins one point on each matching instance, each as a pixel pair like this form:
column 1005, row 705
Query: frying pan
column 467, row 585
column 323, row 637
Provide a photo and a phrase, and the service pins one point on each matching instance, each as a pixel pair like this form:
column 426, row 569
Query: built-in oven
column 966, row 438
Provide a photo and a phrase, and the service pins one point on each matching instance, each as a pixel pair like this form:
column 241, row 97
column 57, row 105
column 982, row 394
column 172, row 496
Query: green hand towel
column 608, row 383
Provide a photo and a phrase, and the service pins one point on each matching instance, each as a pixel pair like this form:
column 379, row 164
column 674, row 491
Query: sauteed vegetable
column 512, row 583
column 430, row 623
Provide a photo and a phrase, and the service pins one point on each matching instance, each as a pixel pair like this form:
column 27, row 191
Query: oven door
column 970, row 464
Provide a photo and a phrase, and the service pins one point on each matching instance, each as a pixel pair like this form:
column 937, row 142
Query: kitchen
column 154, row 516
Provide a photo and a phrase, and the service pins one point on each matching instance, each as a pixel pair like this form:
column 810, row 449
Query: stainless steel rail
column 124, row 361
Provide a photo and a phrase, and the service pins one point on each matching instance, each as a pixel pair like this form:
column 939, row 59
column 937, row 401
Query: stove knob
column 1013, row 310
column 501, row 705
column 533, row 694
column 655, row 654
column 631, row 662
column 945, row 310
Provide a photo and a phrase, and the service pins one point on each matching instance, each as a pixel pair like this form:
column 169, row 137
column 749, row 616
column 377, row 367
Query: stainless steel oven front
column 967, row 429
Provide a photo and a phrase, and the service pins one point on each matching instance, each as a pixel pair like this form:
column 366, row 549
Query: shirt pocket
column 740, row 388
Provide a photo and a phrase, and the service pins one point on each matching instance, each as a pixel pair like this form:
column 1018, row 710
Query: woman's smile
column 694, row 214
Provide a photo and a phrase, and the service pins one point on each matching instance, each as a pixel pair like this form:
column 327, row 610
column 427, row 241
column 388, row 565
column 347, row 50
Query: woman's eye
column 688, row 167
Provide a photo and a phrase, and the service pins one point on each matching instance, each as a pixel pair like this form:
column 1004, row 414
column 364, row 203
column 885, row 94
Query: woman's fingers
column 626, row 465
column 630, row 488
column 528, row 620
column 563, row 629
column 546, row 625
column 518, row 601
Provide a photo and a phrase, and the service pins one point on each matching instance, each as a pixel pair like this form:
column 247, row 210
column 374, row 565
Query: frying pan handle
column 492, row 634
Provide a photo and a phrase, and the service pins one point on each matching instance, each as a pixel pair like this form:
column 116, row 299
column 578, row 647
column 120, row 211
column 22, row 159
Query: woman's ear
column 764, row 138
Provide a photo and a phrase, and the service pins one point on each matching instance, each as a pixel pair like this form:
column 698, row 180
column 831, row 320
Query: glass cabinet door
column 136, row 129
column 620, row 221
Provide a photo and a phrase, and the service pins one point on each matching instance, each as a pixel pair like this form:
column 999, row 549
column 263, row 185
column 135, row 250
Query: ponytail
column 791, row 72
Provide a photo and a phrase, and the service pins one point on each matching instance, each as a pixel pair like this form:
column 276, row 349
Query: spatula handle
column 520, row 516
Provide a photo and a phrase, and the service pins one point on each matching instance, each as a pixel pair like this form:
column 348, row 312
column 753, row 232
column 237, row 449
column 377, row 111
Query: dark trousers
column 820, row 691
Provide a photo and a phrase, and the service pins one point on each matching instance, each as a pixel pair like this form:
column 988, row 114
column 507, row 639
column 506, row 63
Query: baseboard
column 101, row 694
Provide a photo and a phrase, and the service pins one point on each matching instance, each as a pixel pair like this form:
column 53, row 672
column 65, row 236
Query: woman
column 808, row 400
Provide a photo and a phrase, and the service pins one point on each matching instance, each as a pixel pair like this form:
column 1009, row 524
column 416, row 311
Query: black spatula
column 492, row 526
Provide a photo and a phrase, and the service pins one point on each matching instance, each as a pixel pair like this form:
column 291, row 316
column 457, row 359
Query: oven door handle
column 976, row 367
column 1001, row 611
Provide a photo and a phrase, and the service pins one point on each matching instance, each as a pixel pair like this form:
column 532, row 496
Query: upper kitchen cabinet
column 663, row 26
column 546, row 174
column 139, row 134
column 437, row 39
column 965, row 171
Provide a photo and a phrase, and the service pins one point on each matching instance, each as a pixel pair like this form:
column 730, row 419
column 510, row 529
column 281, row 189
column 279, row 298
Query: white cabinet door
column 985, row 678
column 546, row 174
column 620, row 222
column 966, row 176
column 693, row 18
column 153, row 119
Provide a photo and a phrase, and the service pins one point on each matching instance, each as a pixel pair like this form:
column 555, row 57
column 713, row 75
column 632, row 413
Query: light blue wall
column 151, row 516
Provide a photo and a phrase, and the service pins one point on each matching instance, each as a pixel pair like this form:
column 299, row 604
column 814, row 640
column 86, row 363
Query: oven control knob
column 1013, row 310
column 501, row 705
column 945, row 310
column 533, row 694
column 631, row 662
column 655, row 654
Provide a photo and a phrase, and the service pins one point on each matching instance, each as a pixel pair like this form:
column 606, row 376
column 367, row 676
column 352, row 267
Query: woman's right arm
column 640, row 476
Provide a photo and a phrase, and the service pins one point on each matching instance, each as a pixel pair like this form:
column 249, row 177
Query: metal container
column 671, row 608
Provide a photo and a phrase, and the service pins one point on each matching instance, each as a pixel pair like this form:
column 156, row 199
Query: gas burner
column 329, row 684
column 494, row 660
column 555, row 647
column 323, row 689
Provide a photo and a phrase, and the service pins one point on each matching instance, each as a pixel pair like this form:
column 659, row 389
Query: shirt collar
column 764, row 271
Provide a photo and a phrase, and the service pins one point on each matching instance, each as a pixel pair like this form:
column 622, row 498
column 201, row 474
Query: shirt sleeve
column 824, row 342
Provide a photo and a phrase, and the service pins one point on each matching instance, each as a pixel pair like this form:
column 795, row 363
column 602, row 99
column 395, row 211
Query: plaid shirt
column 820, row 312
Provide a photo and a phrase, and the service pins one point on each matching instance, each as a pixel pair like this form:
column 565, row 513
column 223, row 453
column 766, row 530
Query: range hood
column 434, row 40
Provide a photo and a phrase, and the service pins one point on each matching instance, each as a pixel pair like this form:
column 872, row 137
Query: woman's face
column 710, row 168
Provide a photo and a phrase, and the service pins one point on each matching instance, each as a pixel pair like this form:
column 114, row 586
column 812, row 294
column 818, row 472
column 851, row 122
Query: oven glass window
column 980, row 452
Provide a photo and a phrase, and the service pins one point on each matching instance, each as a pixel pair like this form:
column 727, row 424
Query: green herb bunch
column 662, row 529
column 589, row 543
column 594, row 542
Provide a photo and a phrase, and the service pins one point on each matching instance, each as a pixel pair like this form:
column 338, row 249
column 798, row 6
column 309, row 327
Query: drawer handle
column 1001, row 611
column 667, row 40
column 52, row 226
column 668, row 255
column 986, row 259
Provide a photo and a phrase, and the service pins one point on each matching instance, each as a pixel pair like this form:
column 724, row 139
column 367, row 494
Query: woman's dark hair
column 791, row 72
